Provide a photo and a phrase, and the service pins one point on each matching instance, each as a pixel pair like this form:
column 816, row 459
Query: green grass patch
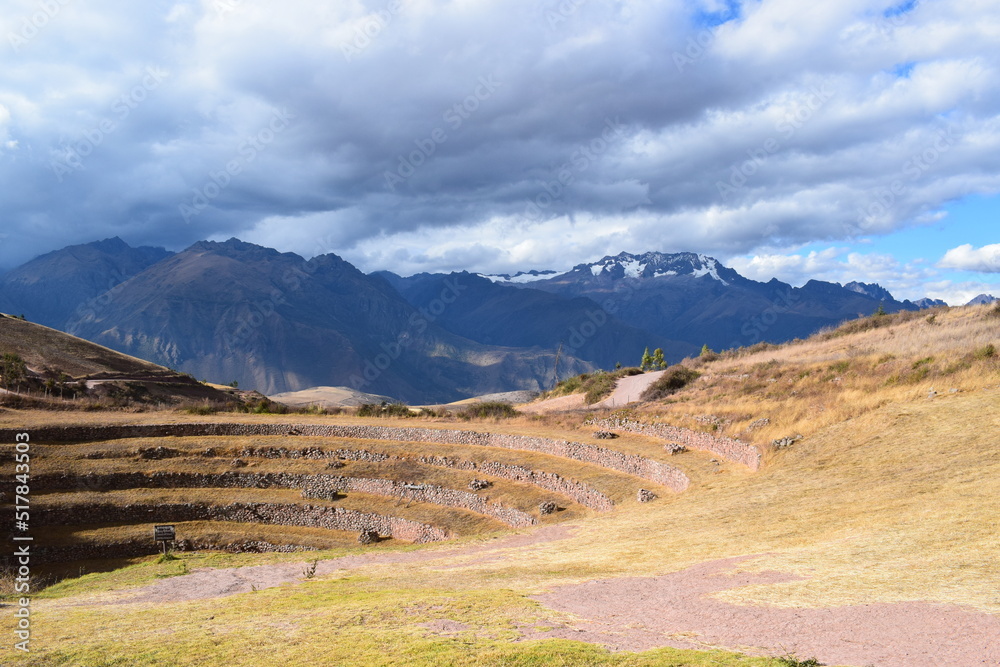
column 336, row 621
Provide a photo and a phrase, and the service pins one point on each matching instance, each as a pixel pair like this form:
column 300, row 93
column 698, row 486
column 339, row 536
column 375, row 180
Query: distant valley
column 275, row 322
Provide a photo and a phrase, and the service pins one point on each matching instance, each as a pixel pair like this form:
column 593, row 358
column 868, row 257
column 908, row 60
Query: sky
column 848, row 140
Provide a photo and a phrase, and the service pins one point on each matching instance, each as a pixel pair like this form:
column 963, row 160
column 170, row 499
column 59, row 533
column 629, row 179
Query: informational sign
column 164, row 534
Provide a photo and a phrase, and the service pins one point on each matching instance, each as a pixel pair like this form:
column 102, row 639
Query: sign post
column 164, row 534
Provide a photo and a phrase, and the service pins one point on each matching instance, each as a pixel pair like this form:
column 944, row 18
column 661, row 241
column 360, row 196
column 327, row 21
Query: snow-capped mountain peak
column 521, row 277
column 656, row 265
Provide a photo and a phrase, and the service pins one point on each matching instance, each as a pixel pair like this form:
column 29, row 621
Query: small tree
column 61, row 382
column 881, row 310
column 647, row 360
column 658, row 360
column 706, row 351
column 12, row 371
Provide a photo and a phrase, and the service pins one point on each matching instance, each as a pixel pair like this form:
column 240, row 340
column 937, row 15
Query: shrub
column 987, row 352
column 599, row 386
column 672, row 381
column 568, row 386
column 791, row 661
column 489, row 410
column 840, row 366
column 994, row 311
column 384, row 409
column 202, row 409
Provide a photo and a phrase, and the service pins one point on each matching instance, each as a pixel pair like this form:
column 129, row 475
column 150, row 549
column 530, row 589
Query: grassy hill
column 856, row 544
column 82, row 369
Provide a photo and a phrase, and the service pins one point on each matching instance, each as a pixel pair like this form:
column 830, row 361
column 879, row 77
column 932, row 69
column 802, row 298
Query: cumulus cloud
column 905, row 280
column 967, row 258
column 498, row 135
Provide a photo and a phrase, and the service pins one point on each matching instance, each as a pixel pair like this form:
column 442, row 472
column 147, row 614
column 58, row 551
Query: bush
column 994, row 311
column 384, row 409
column 201, row 409
column 987, row 352
column 569, row 385
column 489, row 410
column 672, row 381
column 599, row 386
column 791, row 661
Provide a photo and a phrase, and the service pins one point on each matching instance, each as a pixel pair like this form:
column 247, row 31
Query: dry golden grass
column 891, row 496
column 805, row 387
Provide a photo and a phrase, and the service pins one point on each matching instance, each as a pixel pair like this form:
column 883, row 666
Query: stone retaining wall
column 138, row 548
column 728, row 448
column 316, row 516
column 661, row 473
column 581, row 493
column 312, row 486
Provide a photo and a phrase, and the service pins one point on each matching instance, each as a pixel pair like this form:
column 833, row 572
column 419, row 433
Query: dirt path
column 637, row 614
column 222, row 582
column 627, row 390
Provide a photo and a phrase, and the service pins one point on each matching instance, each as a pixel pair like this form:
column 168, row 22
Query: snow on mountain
column 655, row 265
column 519, row 278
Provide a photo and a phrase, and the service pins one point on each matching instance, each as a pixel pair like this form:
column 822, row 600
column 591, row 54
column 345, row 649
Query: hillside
column 276, row 323
column 81, row 368
column 53, row 287
column 496, row 314
column 870, row 540
column 693, row 298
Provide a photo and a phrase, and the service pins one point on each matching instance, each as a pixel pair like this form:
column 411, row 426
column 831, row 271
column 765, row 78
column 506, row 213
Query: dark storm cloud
column 426, row 134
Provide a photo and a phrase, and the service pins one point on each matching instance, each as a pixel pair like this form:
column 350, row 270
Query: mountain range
column 276, row 322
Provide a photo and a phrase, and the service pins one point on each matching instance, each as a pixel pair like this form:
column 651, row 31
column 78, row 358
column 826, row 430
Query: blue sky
column 856, row 140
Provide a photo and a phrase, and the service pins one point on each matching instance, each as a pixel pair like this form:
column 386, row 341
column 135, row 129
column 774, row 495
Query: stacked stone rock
column 645, row 496
column 547, row 507
column 320, row 516
column 728, row 448
column 662, row 473
column 137, row 548
column 313, row 486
